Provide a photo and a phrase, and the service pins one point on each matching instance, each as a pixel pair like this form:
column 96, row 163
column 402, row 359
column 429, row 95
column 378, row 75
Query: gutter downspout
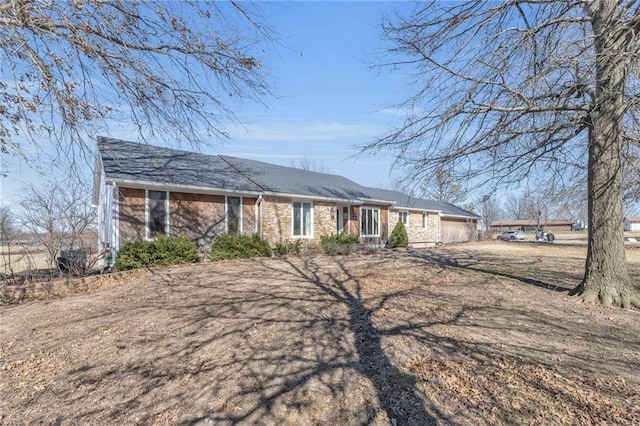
column 258, row 213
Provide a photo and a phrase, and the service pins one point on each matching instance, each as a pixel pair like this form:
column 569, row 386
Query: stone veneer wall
column 276, row 219
column 418, row 235
column 323, row 222
column 277, row 215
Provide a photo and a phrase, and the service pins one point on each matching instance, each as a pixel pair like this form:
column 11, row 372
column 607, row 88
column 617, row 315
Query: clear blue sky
column 326, row 97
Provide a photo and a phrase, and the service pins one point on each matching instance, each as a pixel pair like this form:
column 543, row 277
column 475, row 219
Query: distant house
column 631, row 224
column 142, row 191
column 549, row 225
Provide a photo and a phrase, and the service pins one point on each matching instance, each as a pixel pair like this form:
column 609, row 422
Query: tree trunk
column 606, row 276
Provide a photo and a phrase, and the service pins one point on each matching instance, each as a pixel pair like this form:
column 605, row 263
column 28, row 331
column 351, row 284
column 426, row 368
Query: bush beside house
column 399, row 237
column 234, row 247
column 163, row 251
column 341, row 243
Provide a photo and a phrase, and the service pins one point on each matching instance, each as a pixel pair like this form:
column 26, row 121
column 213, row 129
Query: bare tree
column 8, row 235
column 443, row 186
column 306, row 163
column 519, row 89
column 490, row 211
column 167, row 68
column 8, row 228
column 515, row 207
column 58, row 217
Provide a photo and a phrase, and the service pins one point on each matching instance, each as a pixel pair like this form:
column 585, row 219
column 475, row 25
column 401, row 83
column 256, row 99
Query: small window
column 157, row 205
column 403, row 217
column 425, row 220
column 233, row 216
column 302, row 219
column 369, row 222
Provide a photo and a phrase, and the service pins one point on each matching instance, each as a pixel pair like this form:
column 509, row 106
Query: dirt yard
column 474, row 335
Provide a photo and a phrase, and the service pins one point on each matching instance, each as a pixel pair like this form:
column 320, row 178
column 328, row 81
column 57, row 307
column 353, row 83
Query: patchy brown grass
column 461, row 335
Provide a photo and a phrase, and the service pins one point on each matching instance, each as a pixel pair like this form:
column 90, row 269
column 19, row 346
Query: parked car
column 512, row 236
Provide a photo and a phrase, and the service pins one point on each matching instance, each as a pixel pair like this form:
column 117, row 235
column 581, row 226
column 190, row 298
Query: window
column 302, row 219
column 369, row 222
column 233, row 216
column 157, row 208
column 403, row 217
column 425, row 220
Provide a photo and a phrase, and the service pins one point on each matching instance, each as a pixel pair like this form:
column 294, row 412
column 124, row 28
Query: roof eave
column 169, row 187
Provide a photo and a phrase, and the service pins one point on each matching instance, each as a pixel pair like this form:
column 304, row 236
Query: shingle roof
column 289, row 180
column 130, row 161
column 406, row 201
column 122, row 160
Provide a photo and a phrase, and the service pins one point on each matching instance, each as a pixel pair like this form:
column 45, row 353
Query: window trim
column 362, row 216
column 311, row 210
column 226, row 214
column 147, row 214
column 404, row 213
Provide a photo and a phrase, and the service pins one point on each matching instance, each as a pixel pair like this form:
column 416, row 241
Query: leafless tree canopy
column 169, row 68
column 503, row 89
column 442, row 186
column 529, row 88
column 58, row 217
column 8, row 228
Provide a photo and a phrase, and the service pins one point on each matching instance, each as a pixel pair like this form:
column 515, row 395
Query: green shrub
column 341, row 243
column 163, row 251
column 233, row 247
column 289, row 247
column 399, row 237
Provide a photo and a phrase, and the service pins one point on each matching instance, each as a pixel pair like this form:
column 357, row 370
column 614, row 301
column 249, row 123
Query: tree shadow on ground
column 344, row 340
column 529, row 274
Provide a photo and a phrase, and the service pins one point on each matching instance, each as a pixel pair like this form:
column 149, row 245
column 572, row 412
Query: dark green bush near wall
column 399, row 237
column 234, row 247
column 289, row 247
column 341, row 243
column 163, row 251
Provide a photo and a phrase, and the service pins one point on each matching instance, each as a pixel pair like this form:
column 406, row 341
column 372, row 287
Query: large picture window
column 302, row 219
column 157, row 208
column 369, row 222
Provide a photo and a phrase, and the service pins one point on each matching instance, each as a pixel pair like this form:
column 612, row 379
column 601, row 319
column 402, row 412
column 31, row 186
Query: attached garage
column 457, row 230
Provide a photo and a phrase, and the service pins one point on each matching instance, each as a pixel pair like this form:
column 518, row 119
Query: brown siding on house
column 354, row 220
column 199, row 217
column 131, row 207
column 456, row 230
column 249, row 216
column 384, row 224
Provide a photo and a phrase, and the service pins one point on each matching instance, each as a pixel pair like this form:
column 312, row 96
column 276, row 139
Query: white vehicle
column 512, row 236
